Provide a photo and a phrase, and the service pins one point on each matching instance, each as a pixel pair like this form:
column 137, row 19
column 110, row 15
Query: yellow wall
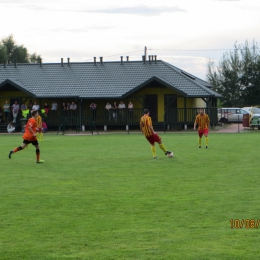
column 6, row 96
column 160, row 92
column 199, row 102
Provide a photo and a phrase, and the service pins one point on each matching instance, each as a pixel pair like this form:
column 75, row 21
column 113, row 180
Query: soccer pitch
column 105, row 197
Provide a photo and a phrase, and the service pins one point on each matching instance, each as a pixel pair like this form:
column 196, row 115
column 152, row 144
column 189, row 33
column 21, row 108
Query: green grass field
column 105, row 197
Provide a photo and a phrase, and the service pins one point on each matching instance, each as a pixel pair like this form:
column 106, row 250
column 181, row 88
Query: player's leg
column 200, row 136
column 206, row 134
column 151, row 141
column 39, row 134
column 38, row 153
column 153, row 151
column 19, row 148
column 161, row 145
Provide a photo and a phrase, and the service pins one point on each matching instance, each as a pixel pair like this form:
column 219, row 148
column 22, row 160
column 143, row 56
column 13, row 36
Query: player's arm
column 141, row 125
column 141, row 128
column 30, row 129
column 151, row 128
column 195, row 124
column 208, row 121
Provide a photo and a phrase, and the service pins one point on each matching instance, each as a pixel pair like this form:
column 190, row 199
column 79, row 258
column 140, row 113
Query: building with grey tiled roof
column 166, row 86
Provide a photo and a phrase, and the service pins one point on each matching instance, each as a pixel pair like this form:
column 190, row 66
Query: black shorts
column 35, row 143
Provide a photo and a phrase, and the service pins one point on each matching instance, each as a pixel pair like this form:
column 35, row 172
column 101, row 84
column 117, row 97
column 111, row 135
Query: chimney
column 40, row 62
column 61, row 62
column 101, row 60
column 143, row 57
column 121, row 60
column 95, row 61
column 149, row 59
column 127, row 58
column 68, row 61
column 4, row 63
column 15, row 63
column 155, row 58
column 152, row 58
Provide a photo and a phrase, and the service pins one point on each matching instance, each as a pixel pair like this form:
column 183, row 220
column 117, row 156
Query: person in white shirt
column 108, row 108
column 15, row 110
column 130, row 110
column 73, row 106
column 54, row 105
column 35, row 106
column 121, row 108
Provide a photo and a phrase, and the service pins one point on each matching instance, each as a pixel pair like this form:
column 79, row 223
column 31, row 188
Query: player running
column 30, row 137
column 202, row 120
column 152, row 137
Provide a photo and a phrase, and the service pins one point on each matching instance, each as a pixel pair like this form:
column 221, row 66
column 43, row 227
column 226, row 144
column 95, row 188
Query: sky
column 184, row 33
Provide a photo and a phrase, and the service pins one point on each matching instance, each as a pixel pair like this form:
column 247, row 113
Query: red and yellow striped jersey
column 39, row 121
column 202, row 121
column 145, row 125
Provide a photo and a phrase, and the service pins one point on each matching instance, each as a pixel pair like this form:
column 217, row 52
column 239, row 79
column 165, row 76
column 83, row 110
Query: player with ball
column 152, row 137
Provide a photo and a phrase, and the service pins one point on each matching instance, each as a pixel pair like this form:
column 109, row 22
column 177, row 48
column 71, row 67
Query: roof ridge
column 188, row 78
column 77, row 62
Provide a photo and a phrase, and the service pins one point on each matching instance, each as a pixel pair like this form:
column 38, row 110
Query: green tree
column 34, row 58
column 20, row 54
column 236, row 77
column 9, row 44
column 3, row 53
column 12, row 52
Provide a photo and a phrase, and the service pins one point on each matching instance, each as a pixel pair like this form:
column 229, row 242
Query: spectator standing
column 73, row 106
column 121, row 108
column 93, row 108
column 115, row 108
column 108, row 108
column 6, row 110
column 24, row 110
column 23, row 107
column 64, row 109
column 130, row 110
column 36, row 106
column 54, row 106
column 46, row 108
column 30, row 105
column 15, row 110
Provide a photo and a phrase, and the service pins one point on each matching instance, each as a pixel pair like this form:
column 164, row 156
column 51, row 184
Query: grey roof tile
column 86, row 80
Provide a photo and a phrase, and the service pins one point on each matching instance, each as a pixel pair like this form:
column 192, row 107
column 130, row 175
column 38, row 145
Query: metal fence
column 76, row 119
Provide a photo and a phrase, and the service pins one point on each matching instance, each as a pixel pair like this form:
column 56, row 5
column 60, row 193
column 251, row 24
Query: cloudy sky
column 185, row 33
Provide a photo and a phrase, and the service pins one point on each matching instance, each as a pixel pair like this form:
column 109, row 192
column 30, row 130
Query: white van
column 231, row 115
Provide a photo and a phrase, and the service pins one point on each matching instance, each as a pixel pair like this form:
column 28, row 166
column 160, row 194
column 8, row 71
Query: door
column 151, row 103
column 170, row 108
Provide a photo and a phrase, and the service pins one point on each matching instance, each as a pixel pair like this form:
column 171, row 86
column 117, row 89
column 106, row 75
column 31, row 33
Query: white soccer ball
column 170, row 155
